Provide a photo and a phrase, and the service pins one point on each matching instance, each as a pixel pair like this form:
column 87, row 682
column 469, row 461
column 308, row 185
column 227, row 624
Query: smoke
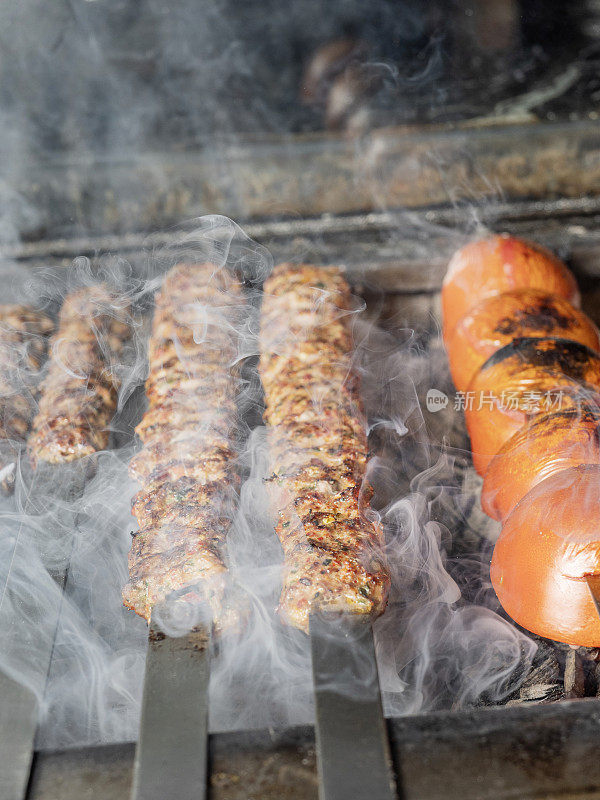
column 438, row 646
column 114, row 75
column 177, row 80
column 90, row 691
column 106, row 104
column 441, row 644
column 101, row 101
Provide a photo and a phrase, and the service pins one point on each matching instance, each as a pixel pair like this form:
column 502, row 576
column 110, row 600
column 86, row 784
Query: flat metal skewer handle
column 18, row 723
column 19, row 710
column 19, row 707
column 172, row 754
column 352, row 744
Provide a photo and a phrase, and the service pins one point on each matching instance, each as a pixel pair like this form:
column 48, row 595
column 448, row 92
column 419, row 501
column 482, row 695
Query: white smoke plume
column 436, row 649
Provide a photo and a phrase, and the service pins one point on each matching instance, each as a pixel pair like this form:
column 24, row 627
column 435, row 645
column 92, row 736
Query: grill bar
column 18, row 724
column 171, row 755
column 19, row 708
column 19, row 711
column 352, row 745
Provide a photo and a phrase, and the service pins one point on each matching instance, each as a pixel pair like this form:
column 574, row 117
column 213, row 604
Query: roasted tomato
column 545, row 445
column 547, row 547
column 500, row 264
column 498, row 320
column 522, row 380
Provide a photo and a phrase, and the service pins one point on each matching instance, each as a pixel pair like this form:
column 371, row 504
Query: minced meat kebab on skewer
column 23, row 344
column 187, row 466
column 78, row 396
column 332, row 543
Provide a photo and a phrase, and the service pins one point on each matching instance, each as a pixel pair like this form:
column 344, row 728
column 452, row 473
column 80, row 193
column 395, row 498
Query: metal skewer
column 18, row 724
column 352, row 744
column 172, row 751
column 19, row 712
column 593, row 582
column 19, row 707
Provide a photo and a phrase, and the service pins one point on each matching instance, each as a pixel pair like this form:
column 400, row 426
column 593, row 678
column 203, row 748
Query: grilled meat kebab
column 79, row 393
column 187, row 465
column 23, row 344
column 332, row 541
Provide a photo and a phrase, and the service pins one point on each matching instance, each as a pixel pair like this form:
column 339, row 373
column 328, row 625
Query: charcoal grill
column 319, row 197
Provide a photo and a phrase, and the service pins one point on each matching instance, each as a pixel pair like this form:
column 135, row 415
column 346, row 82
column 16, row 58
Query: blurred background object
column 104, row 73
column 127, row 114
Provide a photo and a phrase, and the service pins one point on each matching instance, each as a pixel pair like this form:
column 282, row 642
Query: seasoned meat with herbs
column 187, row 465
column 78, row 396
column 23, row 342
column 332, row 541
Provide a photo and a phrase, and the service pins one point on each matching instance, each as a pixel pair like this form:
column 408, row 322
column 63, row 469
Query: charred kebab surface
column 332, row 541
column 78, row 396
column 23, row 345
column 187, row 465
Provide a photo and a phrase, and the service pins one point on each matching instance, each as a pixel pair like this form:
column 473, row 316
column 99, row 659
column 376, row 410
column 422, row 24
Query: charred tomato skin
column 557, row 369
column 496, row 321
column 497, row 264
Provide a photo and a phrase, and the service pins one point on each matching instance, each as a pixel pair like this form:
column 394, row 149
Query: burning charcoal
column 540, row 693
column 590, row 653
column 590, row 658
column 544, row 683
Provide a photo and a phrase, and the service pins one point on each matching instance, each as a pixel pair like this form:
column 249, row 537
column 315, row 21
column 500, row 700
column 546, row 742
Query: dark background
column 106, row 75
column 121, row 116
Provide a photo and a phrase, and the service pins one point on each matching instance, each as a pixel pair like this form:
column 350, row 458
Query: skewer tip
column 593, row 582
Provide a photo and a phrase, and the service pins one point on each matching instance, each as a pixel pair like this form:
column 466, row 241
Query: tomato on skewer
column 549, row 544
column 500, row 264
column 497, row 320
column 545, row 445
column 522, row 380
